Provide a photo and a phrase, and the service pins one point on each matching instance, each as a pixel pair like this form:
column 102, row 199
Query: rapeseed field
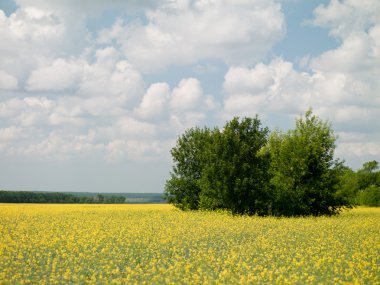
column 157, row 244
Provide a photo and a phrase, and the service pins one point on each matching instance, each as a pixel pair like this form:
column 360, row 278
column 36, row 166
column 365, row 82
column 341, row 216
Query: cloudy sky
column 93, row 94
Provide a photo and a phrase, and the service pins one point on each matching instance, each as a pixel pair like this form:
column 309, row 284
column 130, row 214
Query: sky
column 94, row 94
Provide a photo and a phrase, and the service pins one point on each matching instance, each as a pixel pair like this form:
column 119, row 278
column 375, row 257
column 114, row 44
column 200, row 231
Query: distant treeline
column 61, row 198
column 78, row 198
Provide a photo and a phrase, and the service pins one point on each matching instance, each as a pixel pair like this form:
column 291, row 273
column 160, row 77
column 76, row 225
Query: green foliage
column 349, row 185
column 240, row 169
column 220, row 169
column 61, row 198
column 33, row 197
column 189, row 156
column 367, row 175
column 369, row 196
column 305, row 175
column 363, row 186
column 235, row 176
column 370, row 166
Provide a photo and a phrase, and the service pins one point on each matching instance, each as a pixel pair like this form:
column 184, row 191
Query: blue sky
column 93, row 94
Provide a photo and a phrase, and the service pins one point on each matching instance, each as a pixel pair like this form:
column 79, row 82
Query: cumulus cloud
column 341, row 96
column 59, row 75
column 68, row 91
column 31, row 23
column 187, row 95
column 340, row 84
column 28, row 37
column 57, row 145
column 7, row 81
column 101, row 119
column 189, row 105
column 26, row 111
column 180, row 107
column 242, row 80
column 136, row 149
column 7, row 135
column 110, row 76
column 63, row 126
column 344, row 18
column 155, row 101
column 184, row 32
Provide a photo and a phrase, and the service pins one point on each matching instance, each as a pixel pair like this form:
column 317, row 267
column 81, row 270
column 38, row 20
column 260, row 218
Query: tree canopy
column 189, row 156
column 304, row 174
column 362, row 187
column 234, row 175
column 246, row 170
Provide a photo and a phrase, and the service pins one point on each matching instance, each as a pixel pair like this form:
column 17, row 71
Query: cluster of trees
column 248, row 170
column 61, row 198
column 363, row 186
column 103, row 199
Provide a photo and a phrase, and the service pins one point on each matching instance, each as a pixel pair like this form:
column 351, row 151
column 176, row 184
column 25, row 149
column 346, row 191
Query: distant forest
column 79, row 198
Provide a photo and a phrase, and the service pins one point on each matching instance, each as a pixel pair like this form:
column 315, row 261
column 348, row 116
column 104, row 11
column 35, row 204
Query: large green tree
column 189, row 156
column 235, row 177
column 305, row 174
column 221, row 169
column 240, row 169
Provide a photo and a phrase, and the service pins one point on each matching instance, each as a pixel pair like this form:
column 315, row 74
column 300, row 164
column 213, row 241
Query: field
column 157, row 244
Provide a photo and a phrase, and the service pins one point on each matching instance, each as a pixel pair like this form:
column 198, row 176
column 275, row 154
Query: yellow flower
column 157, row 244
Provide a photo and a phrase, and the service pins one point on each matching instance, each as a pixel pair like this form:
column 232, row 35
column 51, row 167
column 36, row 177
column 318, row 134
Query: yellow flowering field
column 157, row 244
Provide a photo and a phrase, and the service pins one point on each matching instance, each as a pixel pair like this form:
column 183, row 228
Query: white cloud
column 241, row 80
column 359, row 151
column 59, row 75
column 75, row 94
column 189, row 105
column 358, row 56
column 7, row 135
column 184, row 32
column 10, row 133
column 132, row 128
column 68, row 112
column 243, row 105
column 65, row 126
column 28, row 37
column 31, row 24
column 7, row 81
column 58, row 146
column 118, row 149
column 155, row 101
column 26, row 112
column 341, row 85
column 344, row 98
column 187, row 96
column 348, row 17
column 110, row 76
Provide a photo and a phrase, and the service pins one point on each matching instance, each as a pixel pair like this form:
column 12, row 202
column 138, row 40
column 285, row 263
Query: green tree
column 369, row 196
column 349, row 185
column 368, row 184
column 305, row 175
column 368, row 176
column 189, row 155
column 235, row 175
column 239, row 169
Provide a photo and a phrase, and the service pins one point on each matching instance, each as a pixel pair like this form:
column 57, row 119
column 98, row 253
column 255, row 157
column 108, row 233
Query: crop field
column 157, row 244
